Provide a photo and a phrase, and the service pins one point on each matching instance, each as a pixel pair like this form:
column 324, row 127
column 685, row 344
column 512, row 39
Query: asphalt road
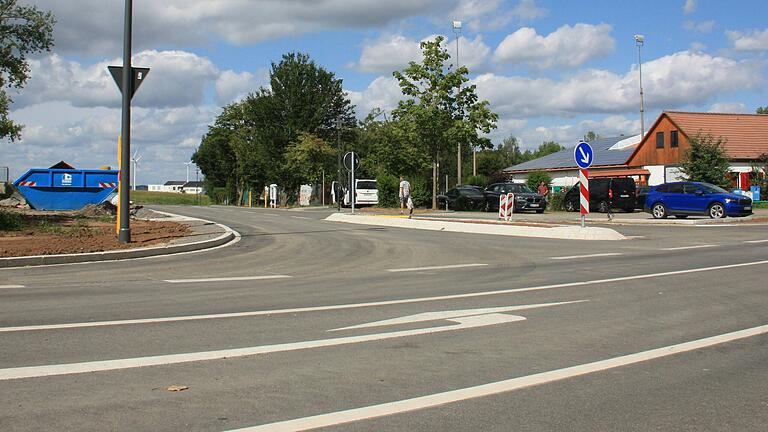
column 305, row 323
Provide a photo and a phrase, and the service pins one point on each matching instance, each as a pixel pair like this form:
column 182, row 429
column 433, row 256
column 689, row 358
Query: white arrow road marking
column 584, row 156
column 498, row 387
column 463, row 323
column 434, row 316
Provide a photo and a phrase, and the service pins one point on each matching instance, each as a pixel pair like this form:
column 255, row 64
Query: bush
column 389, row 190
column 421, row 192
column 478, row 180
column 536, row 177
column 556, row 201
column 10, row 221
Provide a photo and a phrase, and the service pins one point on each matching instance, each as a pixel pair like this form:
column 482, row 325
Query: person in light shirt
column 405, row 194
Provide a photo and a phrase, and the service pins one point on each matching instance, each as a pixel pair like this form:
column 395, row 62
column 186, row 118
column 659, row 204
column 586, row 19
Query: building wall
column 648, row 154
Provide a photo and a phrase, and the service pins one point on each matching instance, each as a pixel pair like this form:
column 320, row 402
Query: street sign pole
column 584, row 157
column 352, row 185
column 125, row 153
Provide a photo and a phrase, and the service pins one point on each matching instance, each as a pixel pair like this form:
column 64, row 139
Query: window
column 673, row 139
column 675, row 188
column 659, row 140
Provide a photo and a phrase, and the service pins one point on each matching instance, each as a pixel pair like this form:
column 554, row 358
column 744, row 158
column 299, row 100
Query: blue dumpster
column 66, row 189
column 755, row 193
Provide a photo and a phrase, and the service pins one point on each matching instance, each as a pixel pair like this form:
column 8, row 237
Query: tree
column 706, row 161
column 591, row 136
column 547, row 147
column 762, row 110
column 23, row 30
column 439, row 111
column 536, row 177
column 387, row 149
column 308, row 158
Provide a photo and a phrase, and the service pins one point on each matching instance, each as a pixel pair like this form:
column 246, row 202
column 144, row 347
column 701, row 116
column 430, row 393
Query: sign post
column 584, row 157
column 351, row 162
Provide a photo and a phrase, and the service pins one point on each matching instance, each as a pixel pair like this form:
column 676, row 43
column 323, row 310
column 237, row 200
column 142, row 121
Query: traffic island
column 552, row 231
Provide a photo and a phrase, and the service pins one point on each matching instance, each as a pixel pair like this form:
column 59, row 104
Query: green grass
column 170, row 198
column 10, row 221
column 760, row 204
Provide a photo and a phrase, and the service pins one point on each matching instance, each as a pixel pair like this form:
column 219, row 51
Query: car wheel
column 716, row 211
column 681, row 216
column 540, row 211
column 659, row 211
column 602, row 207
column 569, row 206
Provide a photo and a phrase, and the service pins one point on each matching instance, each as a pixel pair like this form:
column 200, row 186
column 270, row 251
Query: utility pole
column 337, row 189
column 457, row 32
column 640, row 40
column 125, row 164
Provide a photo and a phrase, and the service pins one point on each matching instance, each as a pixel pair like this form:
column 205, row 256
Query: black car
column 623, row 195
column 462, row 198
column 525, row 198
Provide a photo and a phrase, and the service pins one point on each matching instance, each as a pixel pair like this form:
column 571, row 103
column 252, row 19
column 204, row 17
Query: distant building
column 192, row 187
column 169, row 186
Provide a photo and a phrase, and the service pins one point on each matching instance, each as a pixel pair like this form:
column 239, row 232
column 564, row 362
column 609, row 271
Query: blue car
column 682, row 199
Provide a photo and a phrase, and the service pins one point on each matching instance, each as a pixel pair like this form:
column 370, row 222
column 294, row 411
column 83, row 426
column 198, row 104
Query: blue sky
column 553, row 70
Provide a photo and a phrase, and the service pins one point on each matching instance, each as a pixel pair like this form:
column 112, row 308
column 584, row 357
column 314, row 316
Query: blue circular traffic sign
column 583, row 155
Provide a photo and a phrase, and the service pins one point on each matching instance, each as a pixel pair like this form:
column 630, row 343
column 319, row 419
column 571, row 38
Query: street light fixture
column 457, row 32
column 639, row 41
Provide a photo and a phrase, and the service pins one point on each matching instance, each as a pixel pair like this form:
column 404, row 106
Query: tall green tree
column 547, row 147
column 386, row 149
column 762, row 110
column 308, row 158
column 24, row 30
column 591, row 136
column 440, row 111
column 706, row 161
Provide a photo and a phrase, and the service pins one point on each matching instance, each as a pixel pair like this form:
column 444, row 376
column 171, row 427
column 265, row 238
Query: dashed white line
column 757, row 241
column 11, row 286
column 375, row 304
column 498, row 387
column 301, row 217
column 688, row 247
column 227, row 279
column 586, row 256
column 454, row 266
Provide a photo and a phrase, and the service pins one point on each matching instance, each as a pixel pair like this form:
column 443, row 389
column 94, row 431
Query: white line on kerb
column 455, row 266
column 756, row 241
column 689, row 247
column 11, row 286
column 227, row 279
column 586, row 256
column 375, row 304
column 437, row 399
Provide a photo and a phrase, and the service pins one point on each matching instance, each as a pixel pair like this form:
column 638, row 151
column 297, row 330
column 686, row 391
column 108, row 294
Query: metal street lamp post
column 124, row 235
column 457, row 32
column 639, row 40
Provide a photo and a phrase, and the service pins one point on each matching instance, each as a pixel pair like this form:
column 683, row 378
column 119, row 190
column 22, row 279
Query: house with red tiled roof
column 667, row 141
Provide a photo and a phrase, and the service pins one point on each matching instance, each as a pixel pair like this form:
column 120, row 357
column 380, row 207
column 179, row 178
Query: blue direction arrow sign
column 583, row 156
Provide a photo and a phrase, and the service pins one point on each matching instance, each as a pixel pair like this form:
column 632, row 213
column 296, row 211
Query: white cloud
column 728, row 107
column 689, row 7
column 567, row 46
column 755, row 40
column 96, row 26
column 232, row 86
column 672, row 81
column 701, row 27
column 383, row 93
column 393, row 53
column 484, row 15
column 176, row 78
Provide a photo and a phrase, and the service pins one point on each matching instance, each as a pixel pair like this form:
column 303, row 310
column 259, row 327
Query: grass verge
column 169, row 198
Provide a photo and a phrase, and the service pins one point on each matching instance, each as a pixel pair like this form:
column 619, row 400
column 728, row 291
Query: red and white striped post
column 584, row 194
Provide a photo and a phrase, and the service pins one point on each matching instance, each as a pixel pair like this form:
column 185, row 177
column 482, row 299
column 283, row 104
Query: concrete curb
column 228, row 236
column 555, row 232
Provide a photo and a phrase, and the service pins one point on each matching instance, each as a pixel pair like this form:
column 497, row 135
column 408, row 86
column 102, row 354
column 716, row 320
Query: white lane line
column 459, row 323
column 227, row 279
column 381, row 303
column 455, row 266
column 301, row 217
column 494, row 388
column 586, row 256
column 11, row 286
column 757, row 241
column 688, row 247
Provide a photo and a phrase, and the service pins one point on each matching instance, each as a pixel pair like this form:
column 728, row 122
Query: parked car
column 623, row 195
column 640, row 195
column 681, row 199
column 462, row 198
column 366, row 193
column 525, row 198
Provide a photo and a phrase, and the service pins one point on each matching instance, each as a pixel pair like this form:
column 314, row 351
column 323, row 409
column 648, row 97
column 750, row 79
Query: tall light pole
column 337, row 188
column 639, row 40
column 124, row 235
column 457, row 32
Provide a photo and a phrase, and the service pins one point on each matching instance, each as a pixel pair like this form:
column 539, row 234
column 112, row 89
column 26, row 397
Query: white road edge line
column 227, row 279
column 757, row 241
column 459, row 323
column 494, row 388
column 375, row 304
column 689, row 247
column 454, row 266
column 11, row 286
column 587, row 256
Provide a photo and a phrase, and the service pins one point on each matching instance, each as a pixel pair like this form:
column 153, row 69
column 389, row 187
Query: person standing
column 543, row 191
column 610, row 202
column 405, row 193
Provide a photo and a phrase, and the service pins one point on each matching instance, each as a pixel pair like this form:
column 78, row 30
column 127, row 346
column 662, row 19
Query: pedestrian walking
column 543, row 191
column 610, row 203
column 405, row 194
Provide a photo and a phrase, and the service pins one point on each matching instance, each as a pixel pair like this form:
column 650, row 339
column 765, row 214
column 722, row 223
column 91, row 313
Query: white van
column 366, row 193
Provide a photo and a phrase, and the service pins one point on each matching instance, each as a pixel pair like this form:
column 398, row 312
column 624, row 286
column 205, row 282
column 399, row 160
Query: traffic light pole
column 125, row 164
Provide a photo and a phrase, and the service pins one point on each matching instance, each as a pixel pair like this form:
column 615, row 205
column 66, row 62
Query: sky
column 552, row 69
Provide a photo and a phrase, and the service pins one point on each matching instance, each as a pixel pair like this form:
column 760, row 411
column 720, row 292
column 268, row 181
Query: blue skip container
column 66, row 189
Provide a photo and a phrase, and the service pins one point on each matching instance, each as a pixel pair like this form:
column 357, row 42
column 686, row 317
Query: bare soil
column 48, row 233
